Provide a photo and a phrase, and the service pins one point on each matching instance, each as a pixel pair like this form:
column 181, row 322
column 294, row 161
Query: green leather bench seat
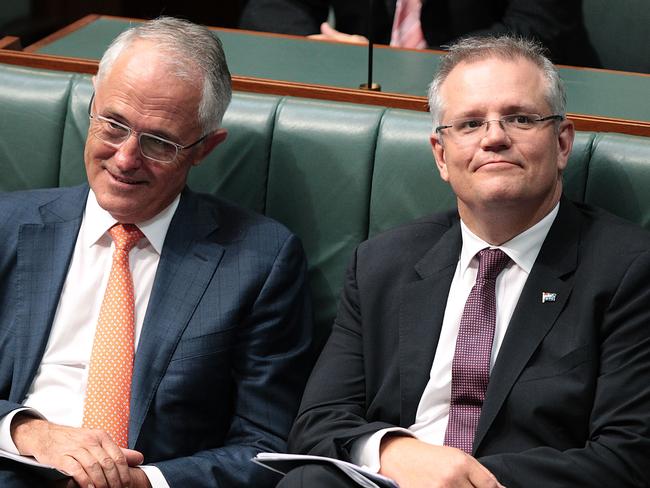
column 333, row 173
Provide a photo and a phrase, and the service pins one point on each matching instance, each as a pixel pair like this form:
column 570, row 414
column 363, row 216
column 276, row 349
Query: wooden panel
column 58, row 63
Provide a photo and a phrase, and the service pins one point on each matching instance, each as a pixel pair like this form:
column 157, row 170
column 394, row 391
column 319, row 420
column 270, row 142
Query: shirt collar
column 522, row 249
column 98, row 221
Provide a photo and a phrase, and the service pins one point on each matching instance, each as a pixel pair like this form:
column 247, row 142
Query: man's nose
column 495, row 134
column 128, row 156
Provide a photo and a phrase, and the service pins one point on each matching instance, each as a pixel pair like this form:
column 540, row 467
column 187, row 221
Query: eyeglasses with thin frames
column 114, row 134
column 468, row 130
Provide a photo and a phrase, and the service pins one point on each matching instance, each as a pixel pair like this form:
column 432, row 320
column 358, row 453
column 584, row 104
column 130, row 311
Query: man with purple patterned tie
column 506, row 342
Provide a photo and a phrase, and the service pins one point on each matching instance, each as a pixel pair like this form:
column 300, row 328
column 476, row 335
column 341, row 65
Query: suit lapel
column 422, row 310
column 187, row 264
column 44, row 251
column 533, row 318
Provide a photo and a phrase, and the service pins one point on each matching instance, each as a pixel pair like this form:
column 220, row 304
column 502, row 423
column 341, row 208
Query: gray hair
column 190, row 48
column 473, row 49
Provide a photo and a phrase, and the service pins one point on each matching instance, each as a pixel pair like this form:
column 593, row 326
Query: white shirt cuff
column 6, row 442
column 155, row 476
column 365, row 450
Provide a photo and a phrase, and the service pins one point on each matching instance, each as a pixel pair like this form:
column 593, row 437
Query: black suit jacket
column 568, row 403
column 557, row 24
column 224, row 349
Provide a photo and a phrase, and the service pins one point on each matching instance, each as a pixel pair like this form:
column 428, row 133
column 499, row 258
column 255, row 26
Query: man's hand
column 328, row 33
column 413, row 463
column 90, row 457
column 138, row 480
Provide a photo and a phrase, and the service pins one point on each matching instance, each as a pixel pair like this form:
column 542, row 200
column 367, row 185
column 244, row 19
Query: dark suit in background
column 224, row 345
column 556, row 23
column 568, row 398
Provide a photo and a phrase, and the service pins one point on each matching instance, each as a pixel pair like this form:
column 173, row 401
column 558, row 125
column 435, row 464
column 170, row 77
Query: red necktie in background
column 407, row 30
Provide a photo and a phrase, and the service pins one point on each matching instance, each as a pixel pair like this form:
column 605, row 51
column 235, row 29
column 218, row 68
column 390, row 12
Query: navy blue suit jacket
column 223, row 352
column 568, row 402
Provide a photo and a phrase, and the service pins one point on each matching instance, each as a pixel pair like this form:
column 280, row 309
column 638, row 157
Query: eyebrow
column 513, row 109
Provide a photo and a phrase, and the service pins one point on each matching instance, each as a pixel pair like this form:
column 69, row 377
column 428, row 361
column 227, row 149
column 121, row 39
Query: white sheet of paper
column 47, row 471
column 282, row 463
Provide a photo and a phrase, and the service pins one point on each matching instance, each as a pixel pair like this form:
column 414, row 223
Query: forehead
column 142, row 83
column 494, row 85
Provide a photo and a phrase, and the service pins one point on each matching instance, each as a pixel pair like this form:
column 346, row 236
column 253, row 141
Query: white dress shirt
column 63, row 372
column 433, row 410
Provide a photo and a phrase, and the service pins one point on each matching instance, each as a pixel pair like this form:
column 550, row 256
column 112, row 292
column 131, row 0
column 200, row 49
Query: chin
column 503, row 198
column 118, row 207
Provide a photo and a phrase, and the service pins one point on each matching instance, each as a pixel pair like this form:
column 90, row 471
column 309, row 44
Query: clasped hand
column 89, row 456
column 416, row 464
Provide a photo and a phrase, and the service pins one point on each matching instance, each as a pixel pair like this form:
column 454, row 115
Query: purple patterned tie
column 470, row 370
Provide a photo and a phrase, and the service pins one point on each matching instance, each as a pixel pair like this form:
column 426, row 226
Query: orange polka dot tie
column 111, row 361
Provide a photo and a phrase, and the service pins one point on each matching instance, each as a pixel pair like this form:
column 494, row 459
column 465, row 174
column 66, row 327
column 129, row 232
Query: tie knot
column 490, row 263
column 125, row 236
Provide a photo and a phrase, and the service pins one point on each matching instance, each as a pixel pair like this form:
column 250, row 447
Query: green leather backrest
column 75, row 125
column 319, row 186
column 333, row 173
column 238, row 168
column 619, row 176
column 405, row 181
column 33, row 108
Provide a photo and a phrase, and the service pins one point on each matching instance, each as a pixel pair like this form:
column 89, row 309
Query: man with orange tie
column 557, row 24
column 505, row 342
column 149, row 335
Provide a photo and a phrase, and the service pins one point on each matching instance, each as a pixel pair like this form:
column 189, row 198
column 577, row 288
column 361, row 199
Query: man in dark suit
column 221, row 315
column 565, row 399
column 557, row 24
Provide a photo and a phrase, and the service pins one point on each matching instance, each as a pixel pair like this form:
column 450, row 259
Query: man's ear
column 438, row 150
column 213, row 140
column 565, row 136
